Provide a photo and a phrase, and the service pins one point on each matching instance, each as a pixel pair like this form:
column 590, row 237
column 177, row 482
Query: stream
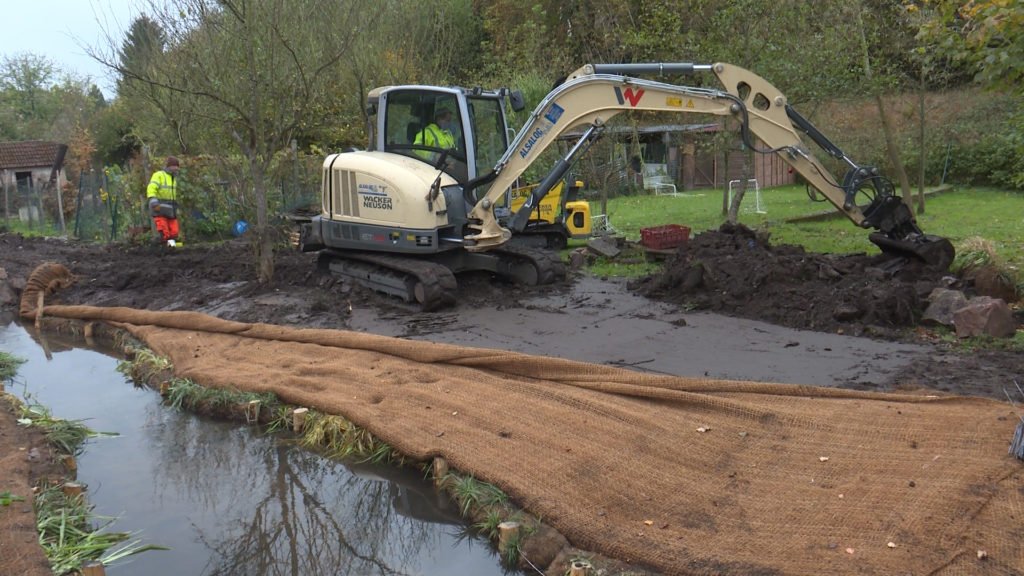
column 229, row 500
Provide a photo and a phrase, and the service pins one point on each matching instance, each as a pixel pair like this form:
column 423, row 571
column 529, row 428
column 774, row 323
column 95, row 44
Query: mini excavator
column 405, row 217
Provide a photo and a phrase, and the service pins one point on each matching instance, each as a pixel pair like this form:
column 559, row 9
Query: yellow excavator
column 405, row 217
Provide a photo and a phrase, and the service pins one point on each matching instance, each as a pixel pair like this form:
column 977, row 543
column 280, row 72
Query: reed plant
column 70, row 538
column 472, row 494
column 68, row 436
column 9, row 366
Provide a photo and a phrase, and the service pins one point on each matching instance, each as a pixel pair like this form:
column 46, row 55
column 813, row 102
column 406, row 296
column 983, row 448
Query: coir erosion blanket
column 684, row 475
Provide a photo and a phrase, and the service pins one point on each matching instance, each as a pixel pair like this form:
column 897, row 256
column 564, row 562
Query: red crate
column 664, row 237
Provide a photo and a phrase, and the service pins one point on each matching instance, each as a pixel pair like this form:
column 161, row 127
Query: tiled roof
column 31, row 154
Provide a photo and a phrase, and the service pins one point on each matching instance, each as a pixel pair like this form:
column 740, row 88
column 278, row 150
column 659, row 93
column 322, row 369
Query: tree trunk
column 263, row 237
column 893, row 150
column 737, row 197
column 725, row 182
column 921, row 145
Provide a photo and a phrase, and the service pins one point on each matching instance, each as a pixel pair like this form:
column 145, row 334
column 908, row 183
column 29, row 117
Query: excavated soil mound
column 684, row 475
column 736, row 270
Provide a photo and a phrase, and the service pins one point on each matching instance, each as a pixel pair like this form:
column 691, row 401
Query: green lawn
column 996, row 215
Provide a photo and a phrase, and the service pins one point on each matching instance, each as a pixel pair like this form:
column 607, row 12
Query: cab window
column 410, row 122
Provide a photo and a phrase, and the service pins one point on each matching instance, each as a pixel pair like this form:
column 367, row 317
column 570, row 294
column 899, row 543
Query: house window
column 24, row 180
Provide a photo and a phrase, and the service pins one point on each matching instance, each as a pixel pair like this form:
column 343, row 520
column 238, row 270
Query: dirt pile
column 737, row 271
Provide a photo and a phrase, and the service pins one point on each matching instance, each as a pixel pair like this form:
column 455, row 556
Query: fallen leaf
column 849, row 550
column 982, row 554
column 649, row 522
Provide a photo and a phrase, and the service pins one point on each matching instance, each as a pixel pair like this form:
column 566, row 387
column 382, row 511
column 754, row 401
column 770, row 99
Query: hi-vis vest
column 434, row 136
column 162, row 186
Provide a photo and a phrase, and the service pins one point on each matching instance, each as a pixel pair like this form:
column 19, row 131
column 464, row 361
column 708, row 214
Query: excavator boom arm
column 597, row 92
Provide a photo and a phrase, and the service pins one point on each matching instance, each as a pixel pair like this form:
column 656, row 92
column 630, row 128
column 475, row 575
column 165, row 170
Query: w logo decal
column 628, row 95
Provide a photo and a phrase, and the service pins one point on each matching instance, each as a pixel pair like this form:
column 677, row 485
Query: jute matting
column 783, row 479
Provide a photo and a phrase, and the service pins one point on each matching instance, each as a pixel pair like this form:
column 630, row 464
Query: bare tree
column 249, row 72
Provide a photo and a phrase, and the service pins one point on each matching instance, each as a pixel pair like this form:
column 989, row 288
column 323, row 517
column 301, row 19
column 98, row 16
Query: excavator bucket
column 933, row 250
column 899, row 235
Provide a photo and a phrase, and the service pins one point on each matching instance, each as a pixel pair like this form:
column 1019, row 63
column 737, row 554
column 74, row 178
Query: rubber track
column 549, row 265
column 439, row 284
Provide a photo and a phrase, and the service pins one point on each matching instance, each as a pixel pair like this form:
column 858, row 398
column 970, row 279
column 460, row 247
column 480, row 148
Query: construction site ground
column 751, row 312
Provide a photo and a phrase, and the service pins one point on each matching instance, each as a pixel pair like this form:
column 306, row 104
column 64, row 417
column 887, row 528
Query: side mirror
column 517, row 101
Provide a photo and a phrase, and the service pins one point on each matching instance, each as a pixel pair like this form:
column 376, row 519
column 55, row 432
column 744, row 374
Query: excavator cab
column 407, row 117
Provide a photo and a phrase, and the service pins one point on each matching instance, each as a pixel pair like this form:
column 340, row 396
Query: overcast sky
column 58, row 29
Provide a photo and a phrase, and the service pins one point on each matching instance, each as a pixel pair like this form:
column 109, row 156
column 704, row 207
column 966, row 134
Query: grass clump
column 471, row 493
column 976, row 255
column 68, row 436
column 9, row 366
column 489, row 525
column 69, row 538
column 340, row 438
column 144, row 366
column 183, row 393
column 973, row 253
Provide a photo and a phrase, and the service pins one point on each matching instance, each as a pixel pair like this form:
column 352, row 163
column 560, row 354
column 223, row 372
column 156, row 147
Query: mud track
column 729, row 305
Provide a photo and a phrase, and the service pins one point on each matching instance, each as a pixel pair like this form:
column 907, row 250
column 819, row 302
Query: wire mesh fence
column 25, row 208
column 214, row 195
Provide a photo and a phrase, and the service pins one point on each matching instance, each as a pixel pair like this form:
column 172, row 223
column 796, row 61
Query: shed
column 677, row 151
column 26, row 168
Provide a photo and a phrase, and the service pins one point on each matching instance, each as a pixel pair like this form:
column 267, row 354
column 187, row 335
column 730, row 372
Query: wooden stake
column 579, row 568
column 87, row 330
column 299, row 419
column 508, row 532
column 69, row 462
column 252, row 411
column 93, row 568
column 72, row 489
column 165, row 387
column 440, row 471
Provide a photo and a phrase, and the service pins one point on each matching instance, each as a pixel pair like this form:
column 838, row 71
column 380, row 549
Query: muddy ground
column 728, row 305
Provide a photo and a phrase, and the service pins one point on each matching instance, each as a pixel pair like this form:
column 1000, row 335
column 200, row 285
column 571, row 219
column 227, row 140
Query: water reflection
column 229, row 500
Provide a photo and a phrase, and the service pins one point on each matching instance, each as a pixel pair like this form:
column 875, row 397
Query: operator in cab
column 437, row 134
